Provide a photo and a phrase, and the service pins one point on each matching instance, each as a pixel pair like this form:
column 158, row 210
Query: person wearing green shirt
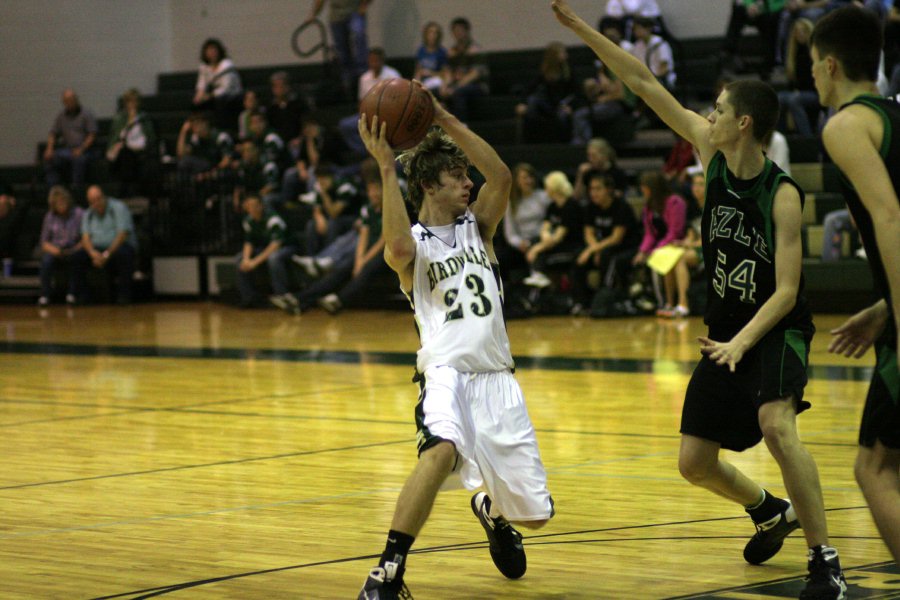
column 266, row 241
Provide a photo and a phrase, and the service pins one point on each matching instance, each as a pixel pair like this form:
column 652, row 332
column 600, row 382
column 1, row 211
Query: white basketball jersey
column 458, row 302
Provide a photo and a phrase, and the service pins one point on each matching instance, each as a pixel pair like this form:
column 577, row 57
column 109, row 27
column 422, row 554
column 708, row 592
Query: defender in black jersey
column 749, row 383
column 863, row 139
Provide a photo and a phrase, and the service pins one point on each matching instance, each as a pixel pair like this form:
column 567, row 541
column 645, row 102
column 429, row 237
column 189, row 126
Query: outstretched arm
column 399, row 246
column 493, row 197
column 641, row 81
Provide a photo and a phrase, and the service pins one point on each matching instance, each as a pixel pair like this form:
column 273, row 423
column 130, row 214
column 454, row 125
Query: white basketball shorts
column 484, row 416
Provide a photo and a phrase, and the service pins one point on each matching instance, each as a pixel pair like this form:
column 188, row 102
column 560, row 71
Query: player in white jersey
column 473, row 427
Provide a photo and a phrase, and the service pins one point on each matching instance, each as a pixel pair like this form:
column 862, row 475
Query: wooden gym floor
column 197, row 451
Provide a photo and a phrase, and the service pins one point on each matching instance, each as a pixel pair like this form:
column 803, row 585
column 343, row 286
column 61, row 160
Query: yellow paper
column 662, row 260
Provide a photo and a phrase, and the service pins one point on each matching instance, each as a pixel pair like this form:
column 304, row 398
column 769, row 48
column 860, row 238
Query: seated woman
column 663, row 215
column 678, row 280
column 524, row 216
column 60, row 240
column 218, row 86
column 431, row 57
column 561, row 232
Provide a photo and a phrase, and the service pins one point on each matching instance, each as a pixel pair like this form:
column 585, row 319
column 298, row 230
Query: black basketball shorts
column 881, row 416
column 723, row 407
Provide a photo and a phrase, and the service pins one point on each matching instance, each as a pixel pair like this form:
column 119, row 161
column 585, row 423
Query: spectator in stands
column 622, row 13
column 663, row 215
column 601, row 156
column 679, row 163
column 378, row 71
column 678, row 281
column 287, row 111
column 256, row 176
column 608, row 100
column 201, row 149
column 108, row 241
column 764, row 15
column 611, row 238
column 347, row 21
column 431, row 57
column 251, row 105
column 801, row 98
column 11, row 217
column 835, row 224
column 561, row 233
column 466, row 75
column 350, row 275
column 60, row 240
column 133, row 148
column 524, row 216
column 548, row 106
column 266, row 241
column 654, row 51
column 335, row 208
column 218, row 86
column 317, row 145
column 70, row 143
column 271, row 146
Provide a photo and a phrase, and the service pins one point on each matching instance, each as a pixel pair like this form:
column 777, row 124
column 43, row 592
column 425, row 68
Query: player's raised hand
column 564, row 13
column 375, row 139
column 859, row 332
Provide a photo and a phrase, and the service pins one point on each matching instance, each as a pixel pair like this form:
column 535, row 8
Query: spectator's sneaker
column 680, row 311
column 43, row 301
column 382, row 585
column 825, row 579
column 71, row 300
column 666, row 311
column 331, row 303
column 308, row 264
column 286, row 302
column 505, row 542
column 324, row 264
column 770, row 535
column 537, row 279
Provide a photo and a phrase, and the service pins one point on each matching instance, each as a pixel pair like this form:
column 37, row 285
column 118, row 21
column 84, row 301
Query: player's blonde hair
column 424, row 163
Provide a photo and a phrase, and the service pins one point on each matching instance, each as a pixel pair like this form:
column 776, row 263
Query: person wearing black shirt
column 561, row 232
column 611, row 237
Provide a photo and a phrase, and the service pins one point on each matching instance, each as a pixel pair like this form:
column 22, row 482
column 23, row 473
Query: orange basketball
column 406, row 108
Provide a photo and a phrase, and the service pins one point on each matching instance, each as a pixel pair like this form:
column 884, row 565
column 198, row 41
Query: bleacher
column 639, row 149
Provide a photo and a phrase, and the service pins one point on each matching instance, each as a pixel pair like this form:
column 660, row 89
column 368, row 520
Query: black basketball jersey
column 739, row 249
column 889, row 110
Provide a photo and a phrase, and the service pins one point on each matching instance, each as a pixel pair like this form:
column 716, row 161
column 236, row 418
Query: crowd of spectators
column 271, row 156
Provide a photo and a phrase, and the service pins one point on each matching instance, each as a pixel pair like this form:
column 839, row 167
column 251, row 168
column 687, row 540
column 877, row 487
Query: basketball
column 406, row 108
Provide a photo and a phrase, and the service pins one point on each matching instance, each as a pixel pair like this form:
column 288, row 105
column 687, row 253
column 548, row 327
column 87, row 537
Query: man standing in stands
column 863, row 139
column 347, row 20
column 70, row 143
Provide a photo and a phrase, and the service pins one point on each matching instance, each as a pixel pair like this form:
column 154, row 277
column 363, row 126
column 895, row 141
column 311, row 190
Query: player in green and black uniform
column 863, row 139
column 749, row 383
